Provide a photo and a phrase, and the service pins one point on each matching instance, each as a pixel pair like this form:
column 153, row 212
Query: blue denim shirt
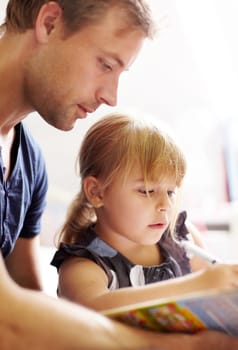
column 23, row 195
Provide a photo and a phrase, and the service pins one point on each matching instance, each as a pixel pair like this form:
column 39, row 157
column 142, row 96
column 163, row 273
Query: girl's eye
column 171, row 193
column 146, row 192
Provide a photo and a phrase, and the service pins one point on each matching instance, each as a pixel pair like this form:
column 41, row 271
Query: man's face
column 68, row 78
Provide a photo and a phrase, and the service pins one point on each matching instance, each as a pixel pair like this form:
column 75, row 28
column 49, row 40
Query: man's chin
column 61, row 125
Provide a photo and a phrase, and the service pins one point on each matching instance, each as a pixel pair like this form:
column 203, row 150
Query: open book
column 217, row 310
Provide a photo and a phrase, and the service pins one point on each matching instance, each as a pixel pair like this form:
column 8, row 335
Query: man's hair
column 21, row 14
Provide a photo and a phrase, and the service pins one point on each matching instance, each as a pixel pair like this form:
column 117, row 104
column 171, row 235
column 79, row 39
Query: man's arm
column 32, row 320
column 23, row 263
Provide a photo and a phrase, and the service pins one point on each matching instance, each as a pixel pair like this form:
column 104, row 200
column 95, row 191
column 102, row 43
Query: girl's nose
column 162, row 203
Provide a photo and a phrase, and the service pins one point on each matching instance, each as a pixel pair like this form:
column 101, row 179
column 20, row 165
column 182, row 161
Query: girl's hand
column 223, row 276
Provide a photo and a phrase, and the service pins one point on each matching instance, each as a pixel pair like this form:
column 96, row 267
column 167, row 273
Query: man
column 63, row 68
column 62, row 59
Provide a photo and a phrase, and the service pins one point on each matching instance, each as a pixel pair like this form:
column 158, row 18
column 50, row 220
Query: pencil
column 191, row 248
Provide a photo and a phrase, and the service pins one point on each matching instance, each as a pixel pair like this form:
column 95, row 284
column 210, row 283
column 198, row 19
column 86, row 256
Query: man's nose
column 108, row 93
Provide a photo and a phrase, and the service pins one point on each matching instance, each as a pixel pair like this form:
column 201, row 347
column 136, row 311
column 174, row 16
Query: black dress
column 120, row 271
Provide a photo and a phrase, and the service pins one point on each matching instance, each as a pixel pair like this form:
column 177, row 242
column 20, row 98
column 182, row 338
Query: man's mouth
column 85, row 110
column 82, row 111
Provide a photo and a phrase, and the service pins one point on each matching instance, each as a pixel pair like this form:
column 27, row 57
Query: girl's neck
column 148, row 255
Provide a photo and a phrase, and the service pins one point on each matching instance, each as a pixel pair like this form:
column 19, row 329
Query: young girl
column 122, row 230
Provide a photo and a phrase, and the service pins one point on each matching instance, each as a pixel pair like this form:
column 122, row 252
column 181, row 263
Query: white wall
column 187, row 77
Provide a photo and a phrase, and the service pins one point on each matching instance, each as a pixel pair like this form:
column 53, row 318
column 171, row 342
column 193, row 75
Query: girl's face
column 130, row 216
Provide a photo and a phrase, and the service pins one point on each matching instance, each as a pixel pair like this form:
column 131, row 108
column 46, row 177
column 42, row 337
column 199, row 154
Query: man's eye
column 105, row 66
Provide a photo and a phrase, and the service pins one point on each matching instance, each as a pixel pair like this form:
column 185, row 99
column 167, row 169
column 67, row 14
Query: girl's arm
column 84, row 282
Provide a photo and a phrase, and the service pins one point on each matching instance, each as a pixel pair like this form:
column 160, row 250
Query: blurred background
column 188, row 78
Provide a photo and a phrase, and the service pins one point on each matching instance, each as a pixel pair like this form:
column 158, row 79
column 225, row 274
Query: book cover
column 217, row 310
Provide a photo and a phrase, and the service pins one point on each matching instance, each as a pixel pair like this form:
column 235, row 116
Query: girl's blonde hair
column 111, row 148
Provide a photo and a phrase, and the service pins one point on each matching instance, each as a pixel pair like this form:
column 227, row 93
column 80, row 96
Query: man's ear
column 46, row 20
column 93, row 190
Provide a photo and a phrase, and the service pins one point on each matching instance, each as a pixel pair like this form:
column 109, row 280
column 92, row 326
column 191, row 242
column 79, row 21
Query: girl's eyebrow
column 139, row 180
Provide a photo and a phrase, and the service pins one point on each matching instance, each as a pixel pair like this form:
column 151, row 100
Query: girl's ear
column 46, row 20
column 93, row 190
